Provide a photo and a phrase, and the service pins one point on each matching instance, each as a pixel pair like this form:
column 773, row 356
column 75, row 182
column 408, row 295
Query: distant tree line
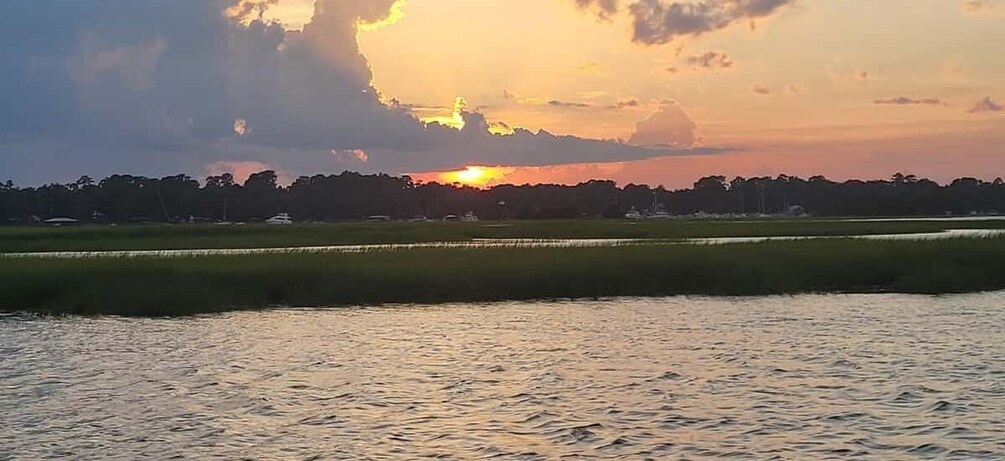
column 353, row 196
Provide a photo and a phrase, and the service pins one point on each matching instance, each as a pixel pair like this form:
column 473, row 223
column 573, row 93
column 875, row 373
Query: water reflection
column 808, row 377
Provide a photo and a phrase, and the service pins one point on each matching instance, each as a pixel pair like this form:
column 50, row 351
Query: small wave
column 538, row 416
column 843, row 417
column 319, row 420
column 928, row 449
column 907, row 397
column 846, row 364
column 682, row 421
column 941, row 406
column 616, row 443
column 671, row 376
column 583, row 433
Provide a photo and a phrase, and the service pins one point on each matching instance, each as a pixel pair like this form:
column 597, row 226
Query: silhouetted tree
column 353, row 196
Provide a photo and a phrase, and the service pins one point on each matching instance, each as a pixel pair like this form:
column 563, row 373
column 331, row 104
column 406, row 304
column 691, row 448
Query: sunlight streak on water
column 805, row 377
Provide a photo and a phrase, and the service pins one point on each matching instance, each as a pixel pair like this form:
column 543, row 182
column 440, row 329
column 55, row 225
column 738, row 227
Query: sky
column 484, row 92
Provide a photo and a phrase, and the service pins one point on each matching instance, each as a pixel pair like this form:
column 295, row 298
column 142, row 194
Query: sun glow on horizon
column 475, row 176
column 843, row 95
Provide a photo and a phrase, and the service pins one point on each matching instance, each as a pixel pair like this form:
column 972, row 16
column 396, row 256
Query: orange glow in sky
column 802, row 93
column 474, row 176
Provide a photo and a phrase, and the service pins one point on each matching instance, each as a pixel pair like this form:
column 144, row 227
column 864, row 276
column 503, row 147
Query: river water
column 806, row 377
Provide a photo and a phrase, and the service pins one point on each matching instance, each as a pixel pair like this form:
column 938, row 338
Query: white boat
column 60, row 221
column 280, row 219
column 633, row 214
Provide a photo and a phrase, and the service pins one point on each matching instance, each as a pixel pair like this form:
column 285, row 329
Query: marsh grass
column 156, row 237
column 191, row 285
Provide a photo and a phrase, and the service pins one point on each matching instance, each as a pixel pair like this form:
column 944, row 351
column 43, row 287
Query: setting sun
column 475, row 176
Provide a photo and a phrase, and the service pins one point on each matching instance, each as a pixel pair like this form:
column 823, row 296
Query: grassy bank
column 181, row 286
column 151, row 237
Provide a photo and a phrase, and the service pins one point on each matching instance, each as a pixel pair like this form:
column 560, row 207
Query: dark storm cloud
column 161, row 86
column 662, row 21
column 656, row 22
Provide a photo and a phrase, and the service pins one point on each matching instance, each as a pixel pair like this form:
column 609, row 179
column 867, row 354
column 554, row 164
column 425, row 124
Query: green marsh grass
column 193, row 285
column 154, row 237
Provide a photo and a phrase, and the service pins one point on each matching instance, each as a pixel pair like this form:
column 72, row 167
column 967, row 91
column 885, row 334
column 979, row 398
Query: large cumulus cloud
column 670, row 127
column 161, row 86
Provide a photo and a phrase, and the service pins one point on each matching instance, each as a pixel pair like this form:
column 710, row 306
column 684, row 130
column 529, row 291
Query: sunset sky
column 644, row 91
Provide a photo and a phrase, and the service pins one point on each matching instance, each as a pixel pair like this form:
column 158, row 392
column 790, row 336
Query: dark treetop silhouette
column 350, row 196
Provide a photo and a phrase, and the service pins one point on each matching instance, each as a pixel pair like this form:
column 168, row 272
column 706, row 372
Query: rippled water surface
column 809, row 377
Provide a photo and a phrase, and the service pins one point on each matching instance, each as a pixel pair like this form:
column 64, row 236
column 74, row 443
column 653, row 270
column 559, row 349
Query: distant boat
column 378, row 218
column 280, row 219
column 633, row 214
column 469, row 217
column 60, row 221
column 660, row 215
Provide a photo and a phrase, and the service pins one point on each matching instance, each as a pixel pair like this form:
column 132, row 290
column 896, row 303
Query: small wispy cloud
column 604, row 8
column 984, row 106
column 709, row 60
column 569, row 104
column 906, row 101
column 626, row 104
column 761, row 89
